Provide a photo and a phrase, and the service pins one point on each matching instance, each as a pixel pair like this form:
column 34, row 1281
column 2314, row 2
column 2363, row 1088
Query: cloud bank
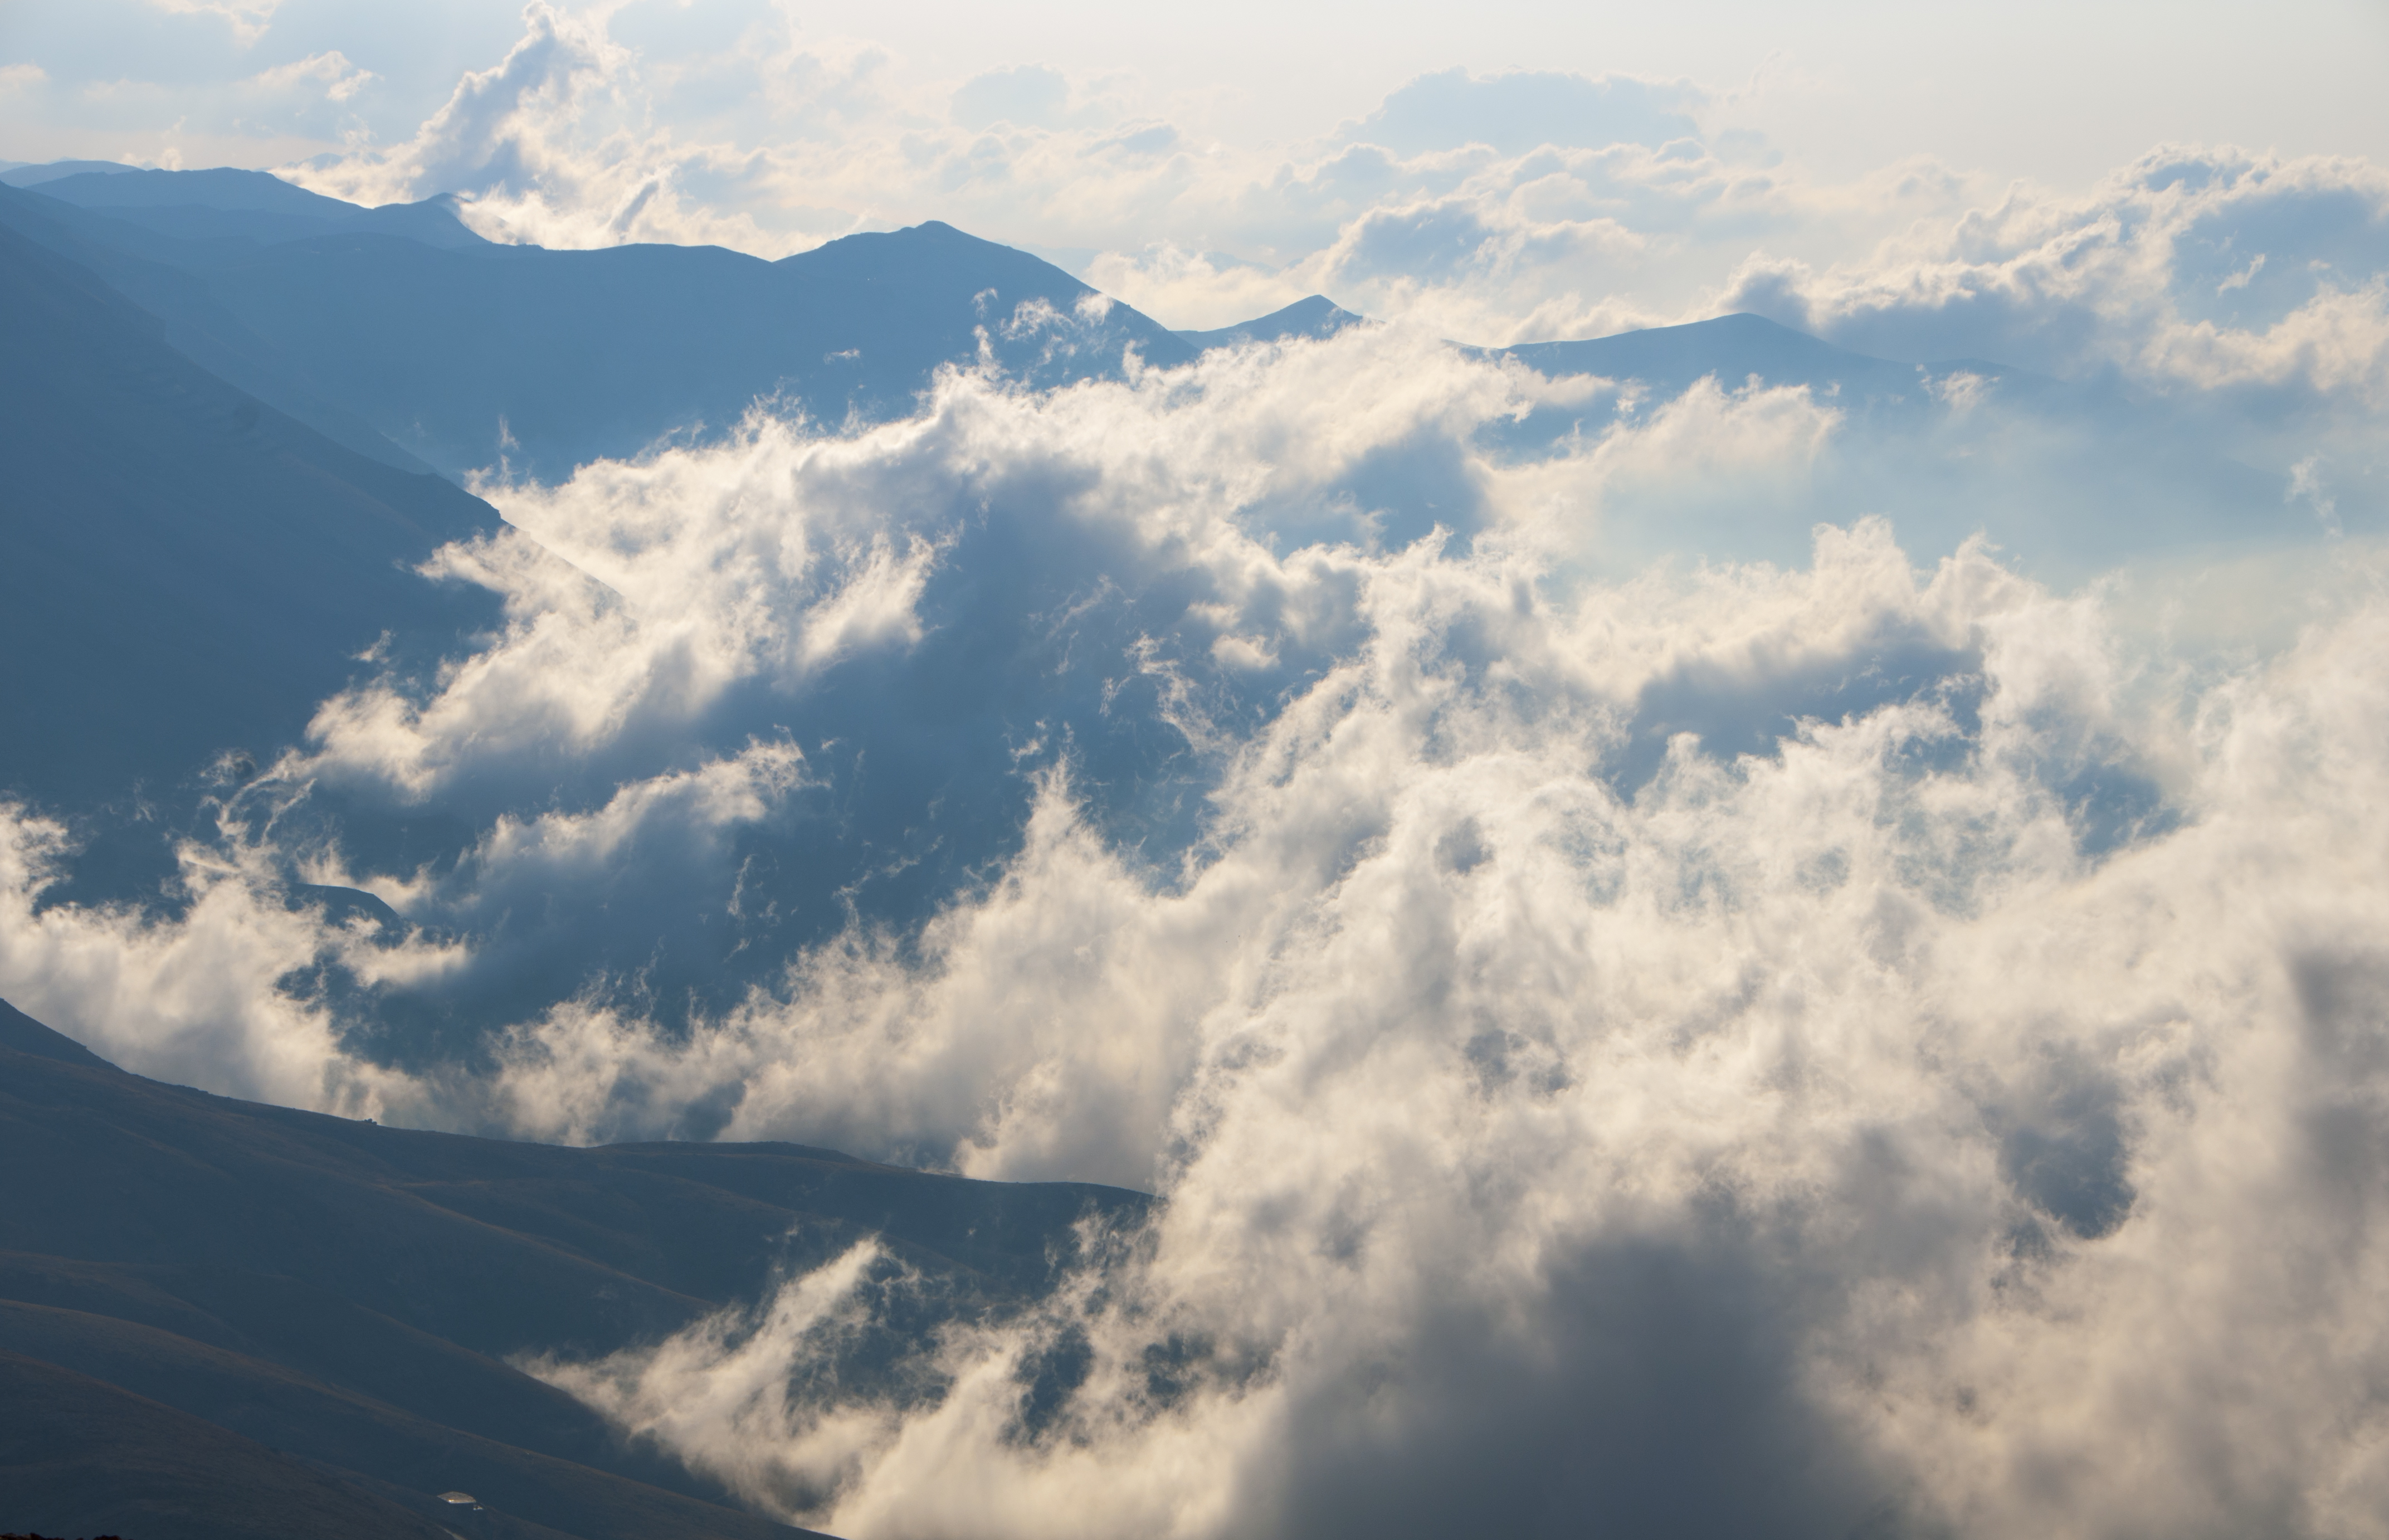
column 1808, row 1045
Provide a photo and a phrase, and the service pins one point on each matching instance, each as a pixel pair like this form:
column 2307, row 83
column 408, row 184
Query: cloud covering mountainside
column 1770, row 924
column 1823, row 1044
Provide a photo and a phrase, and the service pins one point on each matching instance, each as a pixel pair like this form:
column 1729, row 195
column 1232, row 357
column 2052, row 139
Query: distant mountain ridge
column 22, row 173
column 1737, row 348
column 249, row 207
column 462, row 352
column 1316, row 316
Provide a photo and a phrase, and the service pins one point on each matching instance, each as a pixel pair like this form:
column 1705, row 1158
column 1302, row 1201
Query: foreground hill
column 221, row 1318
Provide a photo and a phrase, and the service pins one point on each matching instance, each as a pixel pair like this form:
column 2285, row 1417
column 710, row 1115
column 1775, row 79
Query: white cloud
column 1756, row 1046
column 2147, row 274
column 198, row 1000
column 247, row 18
column 330, row 72
column 1835, row 1119
column 1737, row 1046
column 558, row 143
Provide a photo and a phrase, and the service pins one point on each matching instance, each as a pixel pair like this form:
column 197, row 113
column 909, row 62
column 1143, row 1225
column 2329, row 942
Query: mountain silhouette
column 467, row 353
column 1738, row 348
column 248, row 208
column 1315, row 317
column 19, row 174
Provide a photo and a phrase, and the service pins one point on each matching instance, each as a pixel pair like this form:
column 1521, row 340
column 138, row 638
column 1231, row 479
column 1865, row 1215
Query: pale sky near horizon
column 2056, row 92
column 1212, row 166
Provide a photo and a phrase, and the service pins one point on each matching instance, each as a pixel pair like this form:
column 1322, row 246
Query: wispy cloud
column 248, row 18
column 330, row 72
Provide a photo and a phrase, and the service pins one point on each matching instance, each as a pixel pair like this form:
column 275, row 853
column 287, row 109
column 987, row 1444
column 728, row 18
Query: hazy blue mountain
column 156, row 272
column 226, row 189
column 1946, row 448
column 461, row 352
column 187, row 571
column 342, row 1299
column 555, row 358
column 254, row 207
column 1315, row 317
column 160, row 619
column 19, row 174
column 1738, row 348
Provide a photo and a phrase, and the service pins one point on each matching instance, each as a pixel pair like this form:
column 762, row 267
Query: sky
column 1149, row 151
column 1680, row 979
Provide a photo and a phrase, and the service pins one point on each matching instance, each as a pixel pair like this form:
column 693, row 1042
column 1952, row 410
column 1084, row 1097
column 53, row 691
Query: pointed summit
column 1315, row 317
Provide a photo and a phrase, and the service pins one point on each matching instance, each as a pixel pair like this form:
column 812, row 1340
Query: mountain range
column 197, row 349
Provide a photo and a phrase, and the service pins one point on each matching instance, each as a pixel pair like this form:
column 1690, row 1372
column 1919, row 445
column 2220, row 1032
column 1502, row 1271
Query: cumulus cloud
column 1652, row 972
column 1857, row 1132
column 782, row 140
column 545, row 146
column 1731, row 1044
column 215, row 997
column 2169, row 270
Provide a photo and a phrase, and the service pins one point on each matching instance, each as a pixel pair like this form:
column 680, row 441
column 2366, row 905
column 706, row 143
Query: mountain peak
column 1313, row 316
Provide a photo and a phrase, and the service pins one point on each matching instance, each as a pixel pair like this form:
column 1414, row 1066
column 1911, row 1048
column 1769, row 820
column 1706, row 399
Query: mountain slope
column 352, row 1296
column 79, row 1455
column 162, row 274
column 187, row 571
column 332, row 1429
column 1948, row 448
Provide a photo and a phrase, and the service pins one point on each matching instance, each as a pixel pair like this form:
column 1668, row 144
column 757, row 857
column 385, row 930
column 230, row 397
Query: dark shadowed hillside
column 250, row 1306
column 187, row 571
